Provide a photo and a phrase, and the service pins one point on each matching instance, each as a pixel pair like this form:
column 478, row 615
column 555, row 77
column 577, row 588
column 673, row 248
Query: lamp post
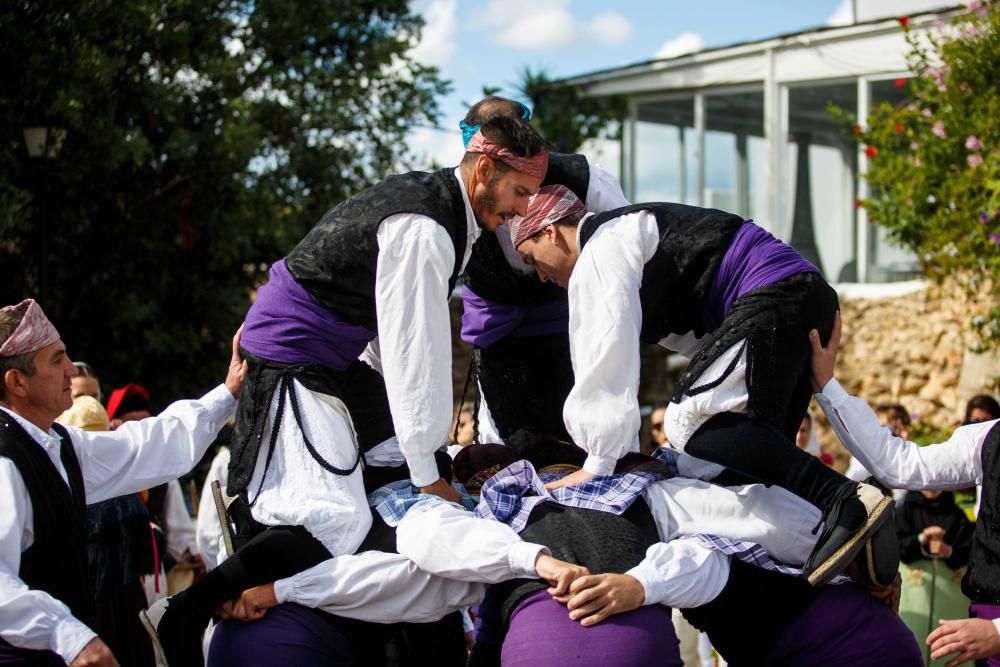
column 44, row 143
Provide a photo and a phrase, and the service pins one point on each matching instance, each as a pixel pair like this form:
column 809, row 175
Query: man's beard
column 488, row 202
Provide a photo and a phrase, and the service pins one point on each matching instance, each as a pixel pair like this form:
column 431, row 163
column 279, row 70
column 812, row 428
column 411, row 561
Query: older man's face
column 50, row 389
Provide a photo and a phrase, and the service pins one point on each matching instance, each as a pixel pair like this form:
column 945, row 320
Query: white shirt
column 137, row 456
column 680, row 572
column 377, row 587
column 208, row 534
column 415, row 260
column 601, row 412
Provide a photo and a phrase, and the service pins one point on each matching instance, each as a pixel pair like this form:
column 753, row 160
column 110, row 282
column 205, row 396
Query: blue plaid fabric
column 667, row 457
column 511, row 495
column 395, row 499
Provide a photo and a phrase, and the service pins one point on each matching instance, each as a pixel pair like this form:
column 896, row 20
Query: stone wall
column 912, row 349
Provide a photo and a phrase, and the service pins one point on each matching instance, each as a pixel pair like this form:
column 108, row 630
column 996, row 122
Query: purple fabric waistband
column 754, row 259
column 485, row 322
column 288, row 325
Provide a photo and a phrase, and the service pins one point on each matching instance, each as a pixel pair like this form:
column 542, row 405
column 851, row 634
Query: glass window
column 665, row 151
column 735, row 153
column 818, row 211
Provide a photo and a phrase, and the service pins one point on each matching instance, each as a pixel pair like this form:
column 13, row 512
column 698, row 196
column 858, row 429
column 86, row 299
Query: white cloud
column 431, row 146
column 437, row 39
column 539, row 24
column 686, row 42
column 843, row 14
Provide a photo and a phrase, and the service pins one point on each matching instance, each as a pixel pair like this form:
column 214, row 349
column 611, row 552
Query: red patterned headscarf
column 535, row 165
column 551, row 203
column 32, row 334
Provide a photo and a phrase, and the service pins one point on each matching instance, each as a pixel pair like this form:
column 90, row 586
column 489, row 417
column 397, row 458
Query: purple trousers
column 541, row 634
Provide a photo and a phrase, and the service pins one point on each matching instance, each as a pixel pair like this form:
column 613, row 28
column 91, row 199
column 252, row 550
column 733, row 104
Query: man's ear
column 13, row 381
column 484, row 168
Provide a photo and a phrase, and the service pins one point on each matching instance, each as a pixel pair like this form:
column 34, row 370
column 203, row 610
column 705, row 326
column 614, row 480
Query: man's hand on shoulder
column 442, row 489
column 95, row 654
column 237, row 367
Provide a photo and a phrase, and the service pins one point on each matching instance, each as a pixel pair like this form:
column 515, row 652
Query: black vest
column 981, row 582
column 336, row 260
column 56, row 561
column 677, row 279
column 488, row 273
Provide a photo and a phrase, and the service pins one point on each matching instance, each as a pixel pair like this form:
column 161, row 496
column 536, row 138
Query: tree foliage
column 934, row 161
column 204, row 137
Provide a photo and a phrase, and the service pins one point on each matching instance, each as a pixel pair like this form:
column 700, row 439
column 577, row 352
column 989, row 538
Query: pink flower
column 974, row 160
column 938, row 130
column 927, row 113
column 973, row 143
column 974, row 6
column 914, row 146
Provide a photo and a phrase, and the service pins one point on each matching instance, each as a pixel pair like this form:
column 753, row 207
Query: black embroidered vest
column 56, row 561
column 336, row 260
column 677, row 279
column 981, row 582
column 488, row 273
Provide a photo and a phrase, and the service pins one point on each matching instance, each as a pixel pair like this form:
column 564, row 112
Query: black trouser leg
column 764, row 453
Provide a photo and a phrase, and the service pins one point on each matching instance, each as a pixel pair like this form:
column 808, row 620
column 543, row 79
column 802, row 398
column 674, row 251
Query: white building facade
column 747, row 129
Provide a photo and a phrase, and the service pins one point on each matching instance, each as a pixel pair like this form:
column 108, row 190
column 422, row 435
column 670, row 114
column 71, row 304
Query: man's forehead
column 529, row 183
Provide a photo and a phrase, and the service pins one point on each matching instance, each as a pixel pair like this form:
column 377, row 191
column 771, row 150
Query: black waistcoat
column 336, row 260
column 600, row 541
column 981, row 582
column 56, row 561
column 677, row 279
column 488, row 273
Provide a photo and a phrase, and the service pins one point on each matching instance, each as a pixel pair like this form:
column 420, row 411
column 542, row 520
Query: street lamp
column 44, row 143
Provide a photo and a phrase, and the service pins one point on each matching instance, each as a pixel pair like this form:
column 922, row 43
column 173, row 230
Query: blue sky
column 489, row 42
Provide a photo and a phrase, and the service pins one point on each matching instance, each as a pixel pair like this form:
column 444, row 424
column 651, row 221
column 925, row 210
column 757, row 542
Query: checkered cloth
column 511, row 495
column 395, row 499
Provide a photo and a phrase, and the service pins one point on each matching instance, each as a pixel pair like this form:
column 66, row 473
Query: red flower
column 859, row 203
column 857, row 130
column 871, row 152
column 901, row 82
column 904, row 21
column 900, row 128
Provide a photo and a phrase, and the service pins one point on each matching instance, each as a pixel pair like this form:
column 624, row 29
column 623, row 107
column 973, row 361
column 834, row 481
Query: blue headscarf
column 468, row 131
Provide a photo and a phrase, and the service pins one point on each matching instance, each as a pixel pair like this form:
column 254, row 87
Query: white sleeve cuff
column 423, row 470
column 69, row 637
column 220, row 397
column 284, row 590
column 522, row 557
column 996, row 624
column 645, row 574
column 833, row 391
column 600, row 465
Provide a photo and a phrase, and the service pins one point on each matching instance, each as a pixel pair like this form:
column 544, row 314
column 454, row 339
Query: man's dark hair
column 494, row 105
column 895, row 411
column 9, row 320
column 984, row 402
column 514, row 134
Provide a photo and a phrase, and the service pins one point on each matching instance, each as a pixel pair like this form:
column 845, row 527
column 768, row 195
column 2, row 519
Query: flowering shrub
column 934, row 161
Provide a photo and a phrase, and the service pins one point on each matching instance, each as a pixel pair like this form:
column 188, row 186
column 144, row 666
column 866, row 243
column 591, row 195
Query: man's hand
column 596, row 597
column 237, row 367
column 824, row 358
column 443, row 489
column 572, row 479
column 971, row 638
column 254, row 603
column 95, row 654
column 558, row 573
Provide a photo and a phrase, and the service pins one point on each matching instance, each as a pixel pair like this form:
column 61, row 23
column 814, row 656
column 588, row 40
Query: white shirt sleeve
column 377, row 587
column 898, row 463
column 415, row 261
column 604, row 192
column 683, row 573
column 142, row 454
column 29, row 618
column 601, row 412
column 449, row 542
column 180, row 529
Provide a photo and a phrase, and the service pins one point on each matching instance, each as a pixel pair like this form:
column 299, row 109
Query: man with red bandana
column 349, row 356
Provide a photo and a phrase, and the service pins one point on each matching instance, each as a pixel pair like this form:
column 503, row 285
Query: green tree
column 204, row 137
column 934, row 161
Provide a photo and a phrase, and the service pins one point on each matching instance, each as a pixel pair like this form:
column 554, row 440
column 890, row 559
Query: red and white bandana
column 535, row 165
column 551, row 203
column 32, row 334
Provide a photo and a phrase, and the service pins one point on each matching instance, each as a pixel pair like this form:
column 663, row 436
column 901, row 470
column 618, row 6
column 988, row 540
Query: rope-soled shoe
column 847, row 524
